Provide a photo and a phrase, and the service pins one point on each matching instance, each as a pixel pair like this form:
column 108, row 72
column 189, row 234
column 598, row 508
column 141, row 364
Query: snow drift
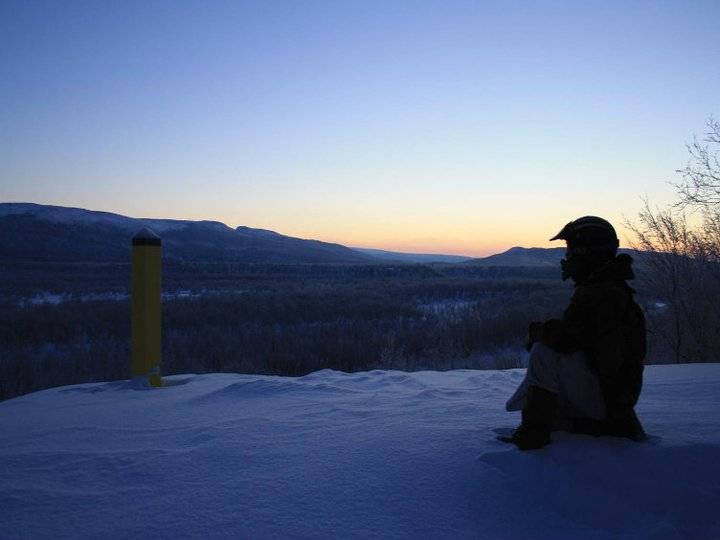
column 380, row 454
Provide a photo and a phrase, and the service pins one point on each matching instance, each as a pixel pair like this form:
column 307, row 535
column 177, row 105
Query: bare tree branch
column 683, row 261
column 699, row 186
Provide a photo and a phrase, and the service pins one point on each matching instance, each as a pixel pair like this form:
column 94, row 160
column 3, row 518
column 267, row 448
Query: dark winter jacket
column 604, row 321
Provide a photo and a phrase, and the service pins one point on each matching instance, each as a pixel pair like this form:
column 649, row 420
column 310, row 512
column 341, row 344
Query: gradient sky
column 449, row 126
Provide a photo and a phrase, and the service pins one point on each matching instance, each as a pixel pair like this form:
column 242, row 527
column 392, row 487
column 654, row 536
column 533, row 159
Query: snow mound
column 382, row 454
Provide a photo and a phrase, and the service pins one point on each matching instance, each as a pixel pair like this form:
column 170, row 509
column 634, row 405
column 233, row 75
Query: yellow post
column 146, row 306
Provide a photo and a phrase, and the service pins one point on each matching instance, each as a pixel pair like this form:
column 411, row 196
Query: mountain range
column 36, row 232
column 54, row 233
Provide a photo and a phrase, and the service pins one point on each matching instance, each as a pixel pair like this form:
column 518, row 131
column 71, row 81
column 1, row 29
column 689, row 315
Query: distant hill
column 419, row 258
column 535, row 257
column 35, row 232
column 520, row 256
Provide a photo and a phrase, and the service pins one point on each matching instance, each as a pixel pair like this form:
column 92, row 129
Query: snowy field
column 380, row 454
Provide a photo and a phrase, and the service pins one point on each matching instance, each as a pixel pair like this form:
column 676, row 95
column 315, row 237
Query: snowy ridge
column 79, row 235
column 334, row 455
column 68, row 215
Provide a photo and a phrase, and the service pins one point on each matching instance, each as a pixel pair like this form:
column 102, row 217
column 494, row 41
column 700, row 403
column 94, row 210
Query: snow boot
column 628, row 426
column 589, row 426
column 537, row 420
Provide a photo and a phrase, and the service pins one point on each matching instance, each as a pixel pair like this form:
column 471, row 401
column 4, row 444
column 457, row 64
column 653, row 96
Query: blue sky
column 463, row 127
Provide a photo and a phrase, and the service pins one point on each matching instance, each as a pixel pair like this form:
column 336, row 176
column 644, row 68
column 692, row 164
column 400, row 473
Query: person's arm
column 607, row 348
column 593, row 323
column 574, row 331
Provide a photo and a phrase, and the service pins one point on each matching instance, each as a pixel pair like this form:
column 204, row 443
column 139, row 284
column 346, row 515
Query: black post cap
column 145, row 237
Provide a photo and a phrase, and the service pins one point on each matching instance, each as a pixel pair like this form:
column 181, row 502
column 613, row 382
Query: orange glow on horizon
column 450, row 232
column 469, row 245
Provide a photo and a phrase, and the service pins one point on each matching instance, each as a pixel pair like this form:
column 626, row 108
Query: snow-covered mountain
column 380, row 454
column 54, row 233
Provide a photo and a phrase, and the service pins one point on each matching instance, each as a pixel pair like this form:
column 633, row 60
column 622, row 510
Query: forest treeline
column 275, row 319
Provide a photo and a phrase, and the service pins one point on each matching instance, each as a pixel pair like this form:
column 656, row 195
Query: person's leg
column 579, row 388
column 543, row 371
column 568, row 376
column 537, row 397
column 557, row 389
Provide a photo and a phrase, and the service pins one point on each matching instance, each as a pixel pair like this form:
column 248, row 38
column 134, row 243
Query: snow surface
column 380, row 454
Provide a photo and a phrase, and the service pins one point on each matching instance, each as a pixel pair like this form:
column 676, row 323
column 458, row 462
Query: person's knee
column 543, row 367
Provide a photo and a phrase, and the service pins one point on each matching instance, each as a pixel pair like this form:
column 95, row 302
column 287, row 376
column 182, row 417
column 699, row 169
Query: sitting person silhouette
column 585, row 369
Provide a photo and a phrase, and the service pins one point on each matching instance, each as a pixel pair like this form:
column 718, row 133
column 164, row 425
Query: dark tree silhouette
column 683, row 268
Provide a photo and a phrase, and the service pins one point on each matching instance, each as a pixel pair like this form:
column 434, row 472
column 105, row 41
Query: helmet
column 591, row 242
column 590, row 232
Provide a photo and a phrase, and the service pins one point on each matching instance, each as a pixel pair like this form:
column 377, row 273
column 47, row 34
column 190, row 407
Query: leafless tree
column 700, row 178
column 683, row 259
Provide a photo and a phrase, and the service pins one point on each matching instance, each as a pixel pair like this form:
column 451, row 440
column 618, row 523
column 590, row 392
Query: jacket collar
column 617, row 269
